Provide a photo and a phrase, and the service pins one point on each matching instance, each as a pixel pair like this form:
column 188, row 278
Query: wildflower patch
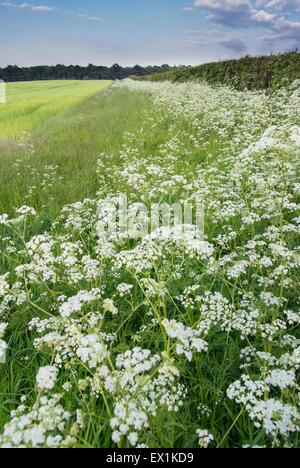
column 184, row 335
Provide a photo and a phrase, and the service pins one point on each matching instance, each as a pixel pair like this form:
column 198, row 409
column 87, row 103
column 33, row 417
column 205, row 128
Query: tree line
column 75, row 72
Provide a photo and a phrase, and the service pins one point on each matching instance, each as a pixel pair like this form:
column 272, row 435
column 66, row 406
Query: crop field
column 70, row 133
column 121, row 324
column 30, row 105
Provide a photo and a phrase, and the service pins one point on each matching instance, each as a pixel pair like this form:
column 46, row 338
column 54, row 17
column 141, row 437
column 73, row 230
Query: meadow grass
column 69, row 136
column 164, row 341
column 71, row 141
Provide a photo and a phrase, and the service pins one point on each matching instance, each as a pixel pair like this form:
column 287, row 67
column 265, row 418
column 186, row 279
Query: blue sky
column 144, row 31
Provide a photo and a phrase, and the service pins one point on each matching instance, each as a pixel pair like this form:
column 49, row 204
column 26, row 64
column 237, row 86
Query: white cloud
column 280, row 5
column 271, row 15
column 82, row 14
column 28, row 6
column 85, row 16
column 234, row 13
column 233, row 41
column 189, row 8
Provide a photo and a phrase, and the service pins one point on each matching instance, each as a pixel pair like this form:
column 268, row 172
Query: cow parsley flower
column 46, row 377
column 74, row 304
column 205, row 438
column 108, row 306
column 275, row 417
column 41, row 426
column 188, row 340
column 3, row 344
column 26, row 211
column 281, row 378
column 4, row 219
column 92, row 351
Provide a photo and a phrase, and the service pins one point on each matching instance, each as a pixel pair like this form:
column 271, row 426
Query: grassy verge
column 171, row 339
column 56, row 164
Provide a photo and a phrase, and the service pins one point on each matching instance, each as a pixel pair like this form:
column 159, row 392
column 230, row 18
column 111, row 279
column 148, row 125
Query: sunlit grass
column 30, row 104
column 70, row 138
column 237, row 289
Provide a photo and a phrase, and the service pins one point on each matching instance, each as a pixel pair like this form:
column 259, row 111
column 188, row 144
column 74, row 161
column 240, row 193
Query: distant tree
column 63, row 72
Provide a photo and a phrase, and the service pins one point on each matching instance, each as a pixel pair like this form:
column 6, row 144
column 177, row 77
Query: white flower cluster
column 142, row 395
column 281, row 378
column 188, row 340
column 176, row 293
column 3, row 344
column 274, row 415
column 23, row 213
column 46, row 378
column 205, row 438
column 6, row 297
column 124, row 289
column 91, row 350
column 75, row 304
column 108, row 306
column 34, row 427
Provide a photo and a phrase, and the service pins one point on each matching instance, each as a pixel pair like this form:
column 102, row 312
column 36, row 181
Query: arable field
column 30, row 104
column 49, row 155
column 116, row 335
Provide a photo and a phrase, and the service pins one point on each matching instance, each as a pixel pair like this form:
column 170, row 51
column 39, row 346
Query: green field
column 57, row 130
column 180, row 339
column 30, row 105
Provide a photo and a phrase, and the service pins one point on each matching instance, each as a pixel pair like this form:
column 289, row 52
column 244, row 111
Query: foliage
column 75, row 72
column 253, row 73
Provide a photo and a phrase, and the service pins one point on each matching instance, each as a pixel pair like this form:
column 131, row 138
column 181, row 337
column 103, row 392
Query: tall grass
column 56, row 163
column 168, row 341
